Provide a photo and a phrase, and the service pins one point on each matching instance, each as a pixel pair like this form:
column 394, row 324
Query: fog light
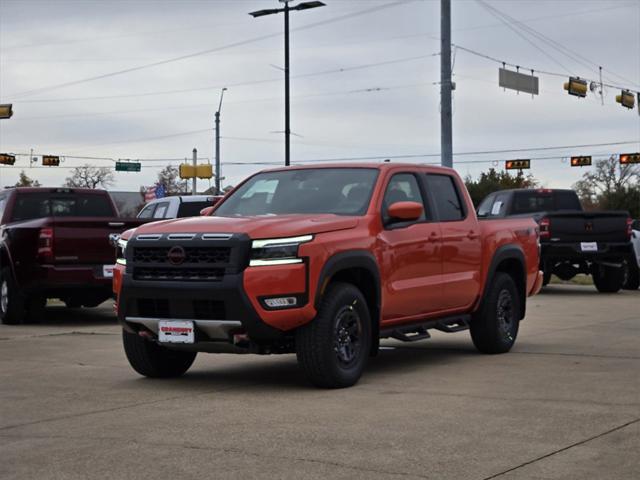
column 281, row 302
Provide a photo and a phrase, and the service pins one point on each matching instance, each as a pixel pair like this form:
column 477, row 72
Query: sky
column 141, row 79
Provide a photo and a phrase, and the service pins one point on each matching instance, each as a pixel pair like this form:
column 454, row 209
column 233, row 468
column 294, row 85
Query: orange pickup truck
column 324, row 261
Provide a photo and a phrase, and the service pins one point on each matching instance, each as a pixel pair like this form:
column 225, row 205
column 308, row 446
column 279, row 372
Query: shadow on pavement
column 59, row 315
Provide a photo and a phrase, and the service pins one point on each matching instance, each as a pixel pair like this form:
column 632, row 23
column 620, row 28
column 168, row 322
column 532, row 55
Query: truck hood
column 260, row 226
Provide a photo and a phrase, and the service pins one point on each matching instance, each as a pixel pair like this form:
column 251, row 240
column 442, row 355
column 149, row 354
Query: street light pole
column 446, row 136
column 287, row 103
column 217, row 122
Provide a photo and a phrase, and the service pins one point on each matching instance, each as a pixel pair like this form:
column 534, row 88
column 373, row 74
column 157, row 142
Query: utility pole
column 287, row 105
column 217, row 121
column 446, row 140
column 195, row 168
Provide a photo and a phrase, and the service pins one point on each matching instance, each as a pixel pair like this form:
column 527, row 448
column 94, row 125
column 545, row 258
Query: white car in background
column 632, row 281
column 178, row 206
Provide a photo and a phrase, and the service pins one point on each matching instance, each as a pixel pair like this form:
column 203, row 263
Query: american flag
column 157, row 191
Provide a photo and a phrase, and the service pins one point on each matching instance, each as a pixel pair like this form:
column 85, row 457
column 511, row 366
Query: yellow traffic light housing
column 517, row 164
column 576, row 86
column 626, row 99
column 50, row 160
column 629, row 158
column 187, row 171
column 204, row 170
column 583, row 161
column 6, row 159
column 6, row 110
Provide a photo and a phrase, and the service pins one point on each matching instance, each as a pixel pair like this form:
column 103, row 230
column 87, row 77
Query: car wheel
column 34, row 308
column 608, row 279
column 632, row 277
column 333, row 349
column 495, row 327
column 152, row 360
column 11, row 301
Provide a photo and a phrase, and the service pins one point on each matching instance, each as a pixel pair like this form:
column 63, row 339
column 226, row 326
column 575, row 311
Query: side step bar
column 413, row 333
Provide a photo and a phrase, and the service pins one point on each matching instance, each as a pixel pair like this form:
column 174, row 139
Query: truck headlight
column 277, row 251
column 121, row 251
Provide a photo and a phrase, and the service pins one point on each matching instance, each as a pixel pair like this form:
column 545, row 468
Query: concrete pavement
column 564, row 404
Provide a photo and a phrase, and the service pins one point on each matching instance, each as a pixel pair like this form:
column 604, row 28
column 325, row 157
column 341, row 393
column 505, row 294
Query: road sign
column 517, row 164
column 518, row 81
column 6, row 159
column 6, row 110
column 629, row 158
column 50, row 160
column 128, row 166
column 583, row 161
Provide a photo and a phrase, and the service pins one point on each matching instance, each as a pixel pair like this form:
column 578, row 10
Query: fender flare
column 508, row 252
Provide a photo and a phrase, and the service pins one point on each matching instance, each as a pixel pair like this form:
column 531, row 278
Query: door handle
column 116, row 224
column 432, row 237
column 473, row 235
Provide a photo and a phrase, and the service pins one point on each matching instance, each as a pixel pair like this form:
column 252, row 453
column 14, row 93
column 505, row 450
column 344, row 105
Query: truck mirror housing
column 206, row 211
column 405, row 211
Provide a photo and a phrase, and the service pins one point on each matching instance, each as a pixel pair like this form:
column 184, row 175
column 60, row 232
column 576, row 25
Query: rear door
column 411, row 254
column 461, row 242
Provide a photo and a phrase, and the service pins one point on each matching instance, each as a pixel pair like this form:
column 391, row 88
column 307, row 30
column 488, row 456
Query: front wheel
column 152, row 360
column 333, row 348
column 495, row 327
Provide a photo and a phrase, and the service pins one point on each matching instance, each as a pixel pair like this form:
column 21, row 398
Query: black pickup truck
column 572, row 240
column 54, row 243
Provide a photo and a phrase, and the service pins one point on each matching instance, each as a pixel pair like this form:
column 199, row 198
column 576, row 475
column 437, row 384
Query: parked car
column 178, row 206
column 632, row 277
column 573, row 241
column 324, row 261
column 53, row 244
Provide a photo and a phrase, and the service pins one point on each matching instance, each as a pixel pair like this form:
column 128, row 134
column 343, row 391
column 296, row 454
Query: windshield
column 341, row 191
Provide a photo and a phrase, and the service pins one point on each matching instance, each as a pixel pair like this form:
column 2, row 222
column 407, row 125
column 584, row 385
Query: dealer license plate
column 175, row 331
column 107, row 271
column 589, row 246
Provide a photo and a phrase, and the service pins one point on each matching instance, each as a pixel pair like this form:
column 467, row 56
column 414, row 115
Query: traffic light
column 626, row 99
column 583, row 161
column 6, row 159
column 629, row 158
column 6, row 110
column 576, row 86
column 204, row 170
column 517, row 164
column 50, row 160
column 187, row 171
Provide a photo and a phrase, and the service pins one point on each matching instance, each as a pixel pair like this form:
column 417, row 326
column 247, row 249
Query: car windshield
column 341, row 191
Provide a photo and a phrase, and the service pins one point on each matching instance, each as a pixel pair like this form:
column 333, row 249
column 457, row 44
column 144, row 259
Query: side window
column 446, row 197
column 403, row 187
column 497, row 207
column 147, row 212
column 3, row 203
column 161, row 210
column 485, row 206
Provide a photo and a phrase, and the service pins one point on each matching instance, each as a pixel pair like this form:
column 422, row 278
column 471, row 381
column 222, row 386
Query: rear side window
column 493, row 206
column 567, row 200
column 3, row 203
column 192, row 209
column 446, row 197
column 532, row 202
column 38, row 205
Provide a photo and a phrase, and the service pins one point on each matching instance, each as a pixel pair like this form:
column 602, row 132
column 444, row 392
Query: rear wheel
column 34, row 308
column 333, row 348
column 608, row 279
column 11, row 301
column 152, row 360
column 495, row 327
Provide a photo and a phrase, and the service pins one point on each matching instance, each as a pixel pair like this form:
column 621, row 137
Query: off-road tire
column 12, row 307
column 608, row 279
column 152, row 360
column 495, row 327
column 341, row 329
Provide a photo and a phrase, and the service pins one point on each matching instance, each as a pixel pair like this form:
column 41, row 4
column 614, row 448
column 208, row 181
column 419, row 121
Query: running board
column 413, row 333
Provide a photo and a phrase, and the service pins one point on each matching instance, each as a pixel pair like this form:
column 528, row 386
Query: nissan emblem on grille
column 176, row 255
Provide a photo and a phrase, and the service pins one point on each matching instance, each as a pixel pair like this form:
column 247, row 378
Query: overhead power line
column 209, row 50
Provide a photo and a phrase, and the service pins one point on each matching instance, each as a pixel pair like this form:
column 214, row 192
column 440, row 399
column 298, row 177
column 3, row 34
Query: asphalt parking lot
column 564, row 404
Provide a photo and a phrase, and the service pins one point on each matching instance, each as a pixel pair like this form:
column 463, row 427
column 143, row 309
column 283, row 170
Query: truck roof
column 377, row 165
column 55, row 190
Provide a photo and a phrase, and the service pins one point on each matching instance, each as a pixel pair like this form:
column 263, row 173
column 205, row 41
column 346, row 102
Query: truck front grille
column 194, row 255
column 178, row 273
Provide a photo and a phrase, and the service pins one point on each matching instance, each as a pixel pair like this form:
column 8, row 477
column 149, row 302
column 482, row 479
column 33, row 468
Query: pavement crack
column 563, row 449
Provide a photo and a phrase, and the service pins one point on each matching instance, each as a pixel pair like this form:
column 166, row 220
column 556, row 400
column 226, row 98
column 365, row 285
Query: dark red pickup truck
column 54, row 243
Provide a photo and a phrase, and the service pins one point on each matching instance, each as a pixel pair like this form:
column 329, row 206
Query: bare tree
column 25, row 181
column 88, row 176
column 169, row 176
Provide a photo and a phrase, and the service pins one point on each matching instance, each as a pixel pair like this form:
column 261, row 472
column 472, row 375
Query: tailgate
column 604, row 227
column 85, row 240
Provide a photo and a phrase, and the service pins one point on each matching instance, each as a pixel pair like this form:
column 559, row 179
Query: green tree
column 25, row 181
column 611, row 186
column 492, row 181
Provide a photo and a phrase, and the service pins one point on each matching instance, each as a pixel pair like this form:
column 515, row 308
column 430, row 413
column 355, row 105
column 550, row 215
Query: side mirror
column 206, row 211
column 405, row 211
